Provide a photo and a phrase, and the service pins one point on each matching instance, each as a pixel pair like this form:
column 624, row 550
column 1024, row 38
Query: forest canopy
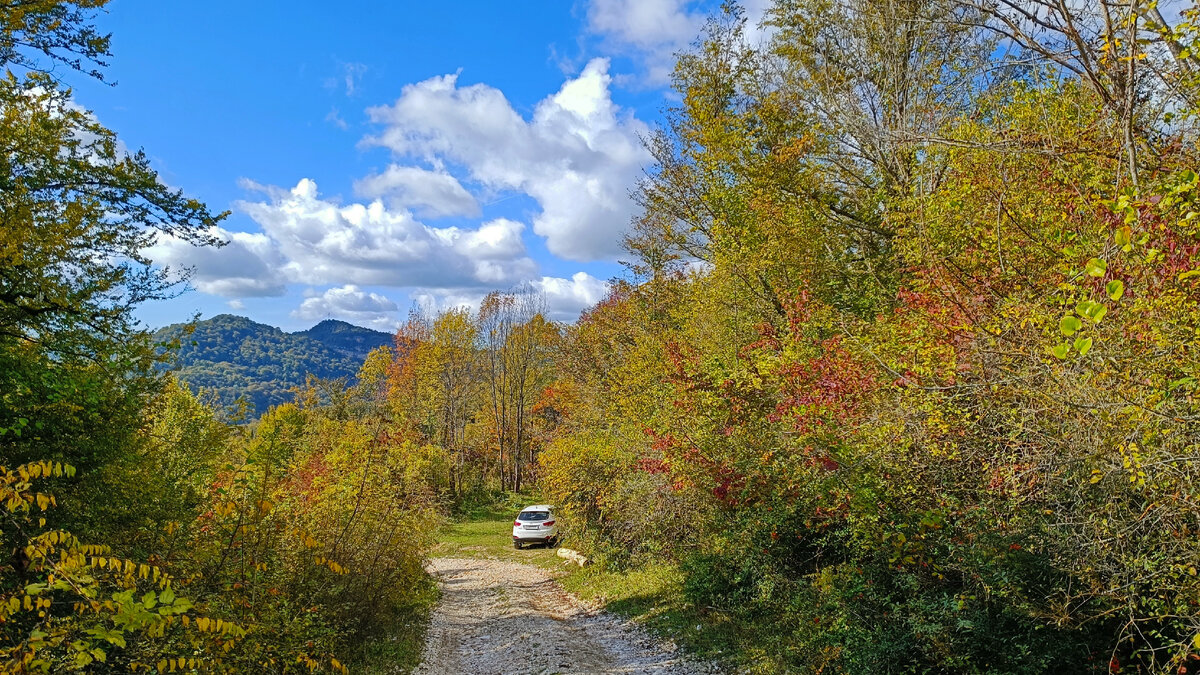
column 901, row 378
column 905, row 369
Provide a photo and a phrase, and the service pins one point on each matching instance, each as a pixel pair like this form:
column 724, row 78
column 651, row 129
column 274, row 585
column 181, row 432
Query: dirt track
column 504, row 617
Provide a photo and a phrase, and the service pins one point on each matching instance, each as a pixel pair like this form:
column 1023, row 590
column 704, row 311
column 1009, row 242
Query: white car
column 535, row 525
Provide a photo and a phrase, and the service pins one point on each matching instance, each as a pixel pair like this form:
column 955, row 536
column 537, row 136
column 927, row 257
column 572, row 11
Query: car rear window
column 534, row 516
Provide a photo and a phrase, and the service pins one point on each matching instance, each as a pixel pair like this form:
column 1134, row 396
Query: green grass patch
column 398, row 648
column 653, row 596
column 487, row 533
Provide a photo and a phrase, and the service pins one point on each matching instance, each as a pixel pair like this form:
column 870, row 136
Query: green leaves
column 1083, row 345
column 1068, row 325
column 1124, row 238
column 1090, row 309
column 1188, row 180
column 1096, row 267
column 1115, row 289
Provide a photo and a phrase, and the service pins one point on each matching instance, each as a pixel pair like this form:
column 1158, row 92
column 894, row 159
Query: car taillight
column 548, row 523
column 516, row 523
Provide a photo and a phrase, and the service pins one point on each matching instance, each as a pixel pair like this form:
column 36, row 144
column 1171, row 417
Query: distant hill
column 234, row 356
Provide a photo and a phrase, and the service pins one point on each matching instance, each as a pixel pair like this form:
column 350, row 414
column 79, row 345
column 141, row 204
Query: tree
column 914, row 310
column 512, row 331
column 77, row 212
column 449, row 367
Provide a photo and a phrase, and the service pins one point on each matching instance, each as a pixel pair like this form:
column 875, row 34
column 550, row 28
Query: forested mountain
column 233, row 356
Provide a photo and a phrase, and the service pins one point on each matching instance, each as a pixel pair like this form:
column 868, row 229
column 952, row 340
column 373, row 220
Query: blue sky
column 377, row 155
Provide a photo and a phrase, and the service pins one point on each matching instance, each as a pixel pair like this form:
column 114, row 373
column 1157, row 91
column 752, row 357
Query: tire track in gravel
column 498, row 617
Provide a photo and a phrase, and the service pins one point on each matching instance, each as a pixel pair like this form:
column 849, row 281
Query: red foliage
column 827, row 389
column 302, row 478
column 652, row 466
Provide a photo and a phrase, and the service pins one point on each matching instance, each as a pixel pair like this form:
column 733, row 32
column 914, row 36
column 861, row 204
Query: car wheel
column 517, row 545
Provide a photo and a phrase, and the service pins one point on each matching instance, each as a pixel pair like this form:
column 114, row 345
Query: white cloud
column 432, row 194
column 349, row 77
column 567, row 298
column 323, row 242
column 578, row 156
column 310, row 240
column 645, row 23
column 352, row 304
column 247, row 266
column 335, row 118
column 654, row 31
column 434, row 300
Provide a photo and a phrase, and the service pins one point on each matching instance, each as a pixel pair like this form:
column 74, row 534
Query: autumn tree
column 512, row 334
column 903, row 370
column 448, row 365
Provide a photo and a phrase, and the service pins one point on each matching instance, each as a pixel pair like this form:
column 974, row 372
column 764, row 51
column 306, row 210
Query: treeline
column 477, row 384
column 141, row 532
column 905, row 379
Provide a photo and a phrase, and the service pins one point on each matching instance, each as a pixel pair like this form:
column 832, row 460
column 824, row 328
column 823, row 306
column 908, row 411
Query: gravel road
column 504, row 617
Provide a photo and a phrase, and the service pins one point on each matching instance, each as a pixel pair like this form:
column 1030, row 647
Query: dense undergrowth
column 905, row 380
column 902, row 380
column 142, row 530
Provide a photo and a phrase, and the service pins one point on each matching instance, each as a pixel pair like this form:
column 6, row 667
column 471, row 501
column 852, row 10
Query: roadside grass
column 652, row 595
column 485, row 531
column 399, row 651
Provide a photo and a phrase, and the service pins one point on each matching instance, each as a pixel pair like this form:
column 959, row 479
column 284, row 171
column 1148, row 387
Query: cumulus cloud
column 567, row 298
column 654, row 31
column 247, row 266
column 324, row 242
column 434, row 300
column 432, row 194
column 311, row 240
column 352, row 304
column 578, row 156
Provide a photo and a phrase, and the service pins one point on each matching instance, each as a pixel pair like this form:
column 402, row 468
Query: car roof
column 538, row 507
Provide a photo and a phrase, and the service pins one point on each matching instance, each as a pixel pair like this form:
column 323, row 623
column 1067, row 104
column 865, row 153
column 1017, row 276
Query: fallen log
column 573, row 556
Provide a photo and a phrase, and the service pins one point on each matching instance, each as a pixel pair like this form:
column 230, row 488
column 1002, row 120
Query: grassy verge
column 399, row 651
column 486, row 532
column 652, row 595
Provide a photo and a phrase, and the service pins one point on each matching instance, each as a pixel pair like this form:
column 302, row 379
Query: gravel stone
column 498, row 617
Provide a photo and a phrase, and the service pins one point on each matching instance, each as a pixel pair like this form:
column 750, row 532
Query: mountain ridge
column 233, row 356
